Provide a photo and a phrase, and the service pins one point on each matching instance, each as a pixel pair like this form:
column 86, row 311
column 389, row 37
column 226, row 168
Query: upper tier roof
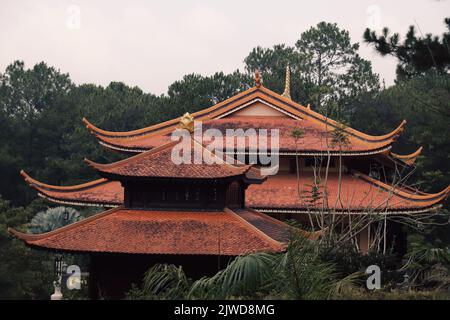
column 121, row 230
column 278, row 194
column 316, row 126
column 158, row 163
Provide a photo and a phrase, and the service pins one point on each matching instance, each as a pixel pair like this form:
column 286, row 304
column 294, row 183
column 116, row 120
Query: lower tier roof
column 121, row 230
column 279, row 193
column 358, row 193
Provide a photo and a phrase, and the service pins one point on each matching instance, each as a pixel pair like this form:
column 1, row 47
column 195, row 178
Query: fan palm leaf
column 53, row 218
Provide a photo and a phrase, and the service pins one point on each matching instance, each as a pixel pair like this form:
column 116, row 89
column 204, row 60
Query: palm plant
column 246, row 276
column 298, row 273
column 428, row 262
column 162, row 281
column 53, row 218
column 302, row 274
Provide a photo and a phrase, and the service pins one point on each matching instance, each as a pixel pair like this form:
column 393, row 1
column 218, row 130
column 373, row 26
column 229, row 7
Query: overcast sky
column 153, row 43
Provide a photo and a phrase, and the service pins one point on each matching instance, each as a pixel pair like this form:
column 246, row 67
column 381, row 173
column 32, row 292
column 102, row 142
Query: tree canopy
column 417, row 54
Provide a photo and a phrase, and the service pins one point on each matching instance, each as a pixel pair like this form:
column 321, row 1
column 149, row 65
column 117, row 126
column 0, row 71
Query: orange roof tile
column 143, row 139
column 101, row 192
column 159, row 232
column 314, row 139
column 358, row 193
column 158, row 163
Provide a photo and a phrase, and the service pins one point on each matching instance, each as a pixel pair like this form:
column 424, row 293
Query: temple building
column 195, row 213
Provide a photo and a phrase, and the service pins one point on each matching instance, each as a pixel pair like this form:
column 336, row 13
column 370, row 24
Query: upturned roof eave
column 211, row 112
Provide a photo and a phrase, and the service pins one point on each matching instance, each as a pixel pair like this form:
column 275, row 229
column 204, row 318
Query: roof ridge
column 43, row 195
column 100, row 166
column 319, row 117
column 236, row 169
column 265, row 216
column 93, row 128
column 272, row 97
column 431, row 196
column 307, row 234
column 166, row 126
column 248, row 225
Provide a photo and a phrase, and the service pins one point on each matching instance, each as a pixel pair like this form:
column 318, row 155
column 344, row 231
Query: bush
column 347, row 260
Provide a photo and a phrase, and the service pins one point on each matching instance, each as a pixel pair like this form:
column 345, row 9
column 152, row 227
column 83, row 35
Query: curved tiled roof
column 359, row 193
column 121, row 230
column 100, row 192
column 315, row 138
column 419, row 197
column 146, row 138
column 158, row 163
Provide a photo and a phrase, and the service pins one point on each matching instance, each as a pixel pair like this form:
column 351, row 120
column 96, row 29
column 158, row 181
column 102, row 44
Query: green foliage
column 339, row 137
column 41, row 112
column 24, row 273
column 53, row 218
column 272, row 62
column 246, row 276
column 422, row 97
column 299, row 273
column 163, row 282
column 297, row 133
column 326, row 69
column 425, row 103
column 334, row 67
column 307, row 270
column 348, row 261
column 195, row 92
column 392, row 294
column 302, row 274
column 416, row 54
column 428, row 260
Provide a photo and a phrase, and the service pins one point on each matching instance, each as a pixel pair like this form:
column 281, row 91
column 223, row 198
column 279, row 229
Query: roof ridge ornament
column 187, row 122
column 287, row 83
column 258, row 80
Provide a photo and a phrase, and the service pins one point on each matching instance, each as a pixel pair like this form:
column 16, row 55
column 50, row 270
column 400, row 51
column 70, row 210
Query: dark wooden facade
column 111, row 275
column 185, row 194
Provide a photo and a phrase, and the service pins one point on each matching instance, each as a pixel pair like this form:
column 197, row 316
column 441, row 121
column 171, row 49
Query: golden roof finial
column 187, row 122
column 258, row 78
column 287, row 84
